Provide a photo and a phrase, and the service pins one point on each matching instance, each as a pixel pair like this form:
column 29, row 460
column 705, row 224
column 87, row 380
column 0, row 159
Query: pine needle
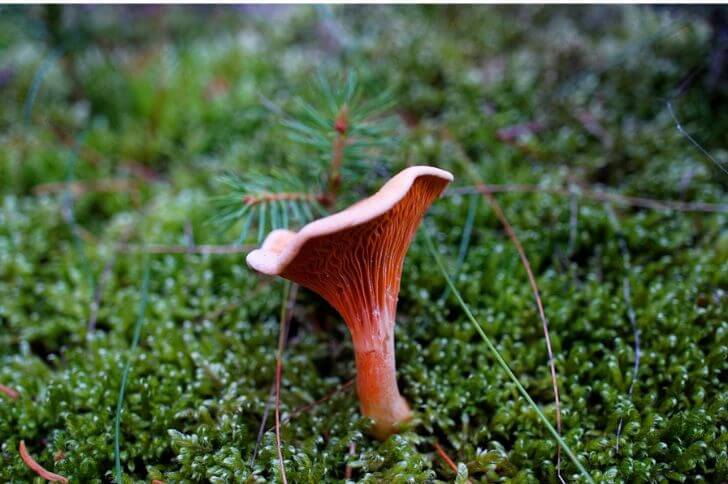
column 127, row 370
column 13, row 394
column 37, row 468
column 443, row 455
column 499, row 359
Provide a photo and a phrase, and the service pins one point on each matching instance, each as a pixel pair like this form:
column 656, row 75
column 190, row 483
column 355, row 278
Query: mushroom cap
column 281, row 246
column 354, row 258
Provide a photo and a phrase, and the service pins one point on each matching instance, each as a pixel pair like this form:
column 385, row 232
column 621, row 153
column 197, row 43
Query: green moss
column 192, row 107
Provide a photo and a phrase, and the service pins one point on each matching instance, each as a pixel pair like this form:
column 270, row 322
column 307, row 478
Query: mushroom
column 353, row 259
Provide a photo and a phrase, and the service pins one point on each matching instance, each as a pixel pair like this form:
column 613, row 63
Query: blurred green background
column 116, row 123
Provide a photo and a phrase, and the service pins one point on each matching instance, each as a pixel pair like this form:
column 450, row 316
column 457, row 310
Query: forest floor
column 602, row 131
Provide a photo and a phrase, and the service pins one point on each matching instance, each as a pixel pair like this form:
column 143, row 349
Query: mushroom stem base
column 376, row 384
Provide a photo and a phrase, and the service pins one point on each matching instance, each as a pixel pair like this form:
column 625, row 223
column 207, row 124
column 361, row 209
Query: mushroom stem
column 376, row 385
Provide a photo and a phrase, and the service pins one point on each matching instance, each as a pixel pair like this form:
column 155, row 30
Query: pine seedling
column 340, row 131
column 343, row 130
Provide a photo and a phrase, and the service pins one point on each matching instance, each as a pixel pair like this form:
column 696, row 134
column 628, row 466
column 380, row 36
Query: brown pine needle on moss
column 450, row 463
column 443, row 455
column 37, row 468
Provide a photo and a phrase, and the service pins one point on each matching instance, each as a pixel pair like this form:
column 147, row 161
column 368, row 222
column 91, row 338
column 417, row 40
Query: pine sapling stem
column 341, row 125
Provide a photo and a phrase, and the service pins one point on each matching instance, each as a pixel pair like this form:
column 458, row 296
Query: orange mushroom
column 354, row 259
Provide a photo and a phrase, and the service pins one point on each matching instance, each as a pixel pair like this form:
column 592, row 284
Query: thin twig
column 598, row 195
column 692, row 140
column 627, row 294
column 501, row 361
column 13, row 394
column 37, row 468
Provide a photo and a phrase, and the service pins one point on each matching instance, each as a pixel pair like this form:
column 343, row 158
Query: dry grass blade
column 286, row 312
column 501, row 361
column 37, row 468
column 539, row 304
column 488, row 194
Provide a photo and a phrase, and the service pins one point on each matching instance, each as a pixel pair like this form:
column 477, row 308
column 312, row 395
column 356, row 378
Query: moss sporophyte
column 353, row 259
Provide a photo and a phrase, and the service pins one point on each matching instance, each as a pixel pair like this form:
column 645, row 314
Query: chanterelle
column 353, row 259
